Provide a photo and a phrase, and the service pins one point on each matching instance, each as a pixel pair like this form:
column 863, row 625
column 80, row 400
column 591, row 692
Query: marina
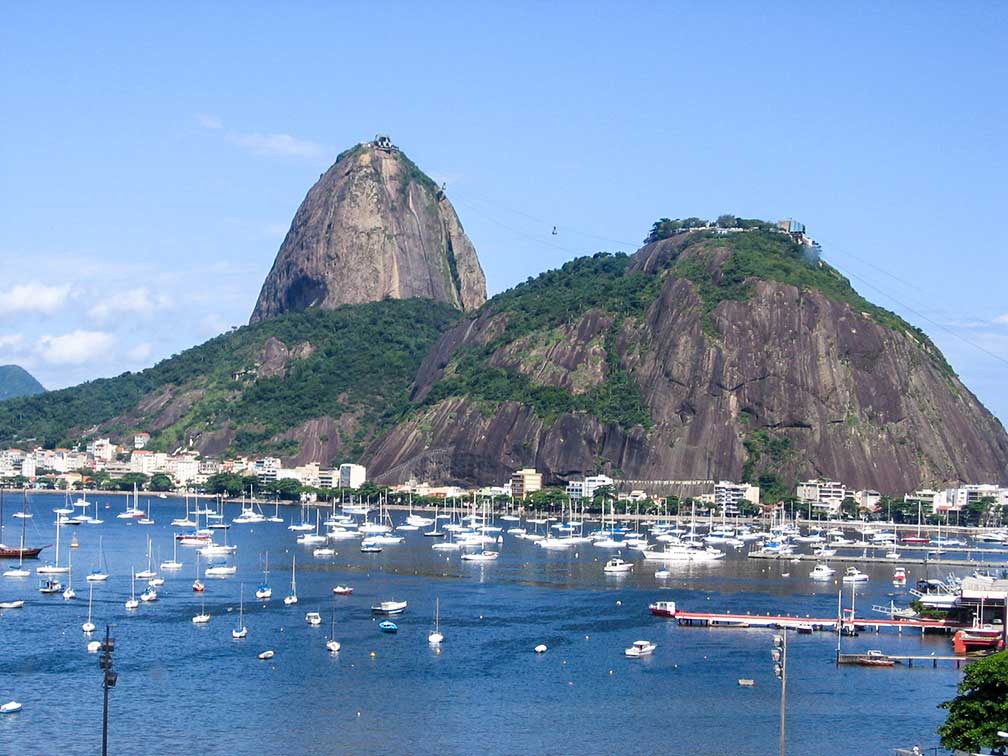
column 529, row 626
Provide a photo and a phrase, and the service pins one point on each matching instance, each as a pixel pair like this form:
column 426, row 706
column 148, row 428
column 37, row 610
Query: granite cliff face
column 702, row 356
column 373, row 227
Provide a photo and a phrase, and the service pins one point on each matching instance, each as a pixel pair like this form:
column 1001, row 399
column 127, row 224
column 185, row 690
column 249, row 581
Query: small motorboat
column 269, row 654
column 313, row 619
column 663, row 574
column 11, row 707
column 325, row 551
column 388, row 627
column 156, row 582
column 389, row 607
column 854, row 575
column 804, row 628
column 370, row 548
column 11, row 604
column 51, row 586
column 822, row 572
column 663, row 608
column 899, row 576
column 198, row 586
column 617, row 566
column 540, row 649
column 874, row 658
column 342, row 590
column 640, row 648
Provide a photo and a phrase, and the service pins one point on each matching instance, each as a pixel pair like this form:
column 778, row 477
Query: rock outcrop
column 739, row 377
column 373, row 227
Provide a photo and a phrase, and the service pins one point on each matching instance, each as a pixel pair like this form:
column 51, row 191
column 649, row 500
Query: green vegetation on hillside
column 554, row 299
column 360, row 358
column 16, row 381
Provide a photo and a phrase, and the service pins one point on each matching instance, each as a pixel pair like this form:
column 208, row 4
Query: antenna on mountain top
column 554, row 231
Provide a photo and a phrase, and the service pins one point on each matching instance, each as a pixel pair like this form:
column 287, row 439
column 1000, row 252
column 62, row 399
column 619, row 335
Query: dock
column 859, row 559
column 791, row 622
column 904, row 659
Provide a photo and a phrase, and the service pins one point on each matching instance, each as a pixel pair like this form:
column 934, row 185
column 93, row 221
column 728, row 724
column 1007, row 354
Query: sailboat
column 436, row 637
column 89, row 626
column 202, row 618
column 264, row 591
column 240, row 631
column 276, row 515
column 292, row 597
column 146, row 519
column 20, row 552
column 94, row 520
column 53, row 568
column 149, row 594
column 69, row 593
column 132, row 602
column 149, row 572
column 332, row 644
column 98, row 575
column 197, row 583
column 174, row 564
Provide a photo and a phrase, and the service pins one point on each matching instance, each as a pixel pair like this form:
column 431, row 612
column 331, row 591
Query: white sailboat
column 264, row 591
column 436, row 637
column 202, row 618
column 131, row 602
column 53, row 568
column 292, row 597
column 89, row 626
column 149, row 572
column 174, row 564
column 19, row 571
column 69, row 593
column 240, row 631
column 98, row 575
column 332, row 644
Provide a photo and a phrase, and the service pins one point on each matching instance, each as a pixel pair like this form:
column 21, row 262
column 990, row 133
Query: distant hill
column 16, row 381
column 317, row 384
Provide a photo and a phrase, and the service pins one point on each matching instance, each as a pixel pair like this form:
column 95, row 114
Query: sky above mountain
column 154, row 157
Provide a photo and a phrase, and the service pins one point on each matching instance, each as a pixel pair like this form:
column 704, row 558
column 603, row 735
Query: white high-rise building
column 352, row 476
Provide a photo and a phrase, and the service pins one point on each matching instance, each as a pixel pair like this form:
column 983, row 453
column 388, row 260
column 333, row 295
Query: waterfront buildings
column 525, row 481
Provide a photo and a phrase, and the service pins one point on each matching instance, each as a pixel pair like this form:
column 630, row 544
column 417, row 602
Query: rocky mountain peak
column 373, row 227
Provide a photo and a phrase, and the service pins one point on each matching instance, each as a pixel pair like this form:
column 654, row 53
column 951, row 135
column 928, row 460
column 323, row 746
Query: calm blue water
column 185, row 689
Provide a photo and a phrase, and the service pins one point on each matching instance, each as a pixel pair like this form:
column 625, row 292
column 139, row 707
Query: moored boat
column 640, row 648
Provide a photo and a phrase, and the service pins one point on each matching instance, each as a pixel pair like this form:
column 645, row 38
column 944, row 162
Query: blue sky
column 153, row 158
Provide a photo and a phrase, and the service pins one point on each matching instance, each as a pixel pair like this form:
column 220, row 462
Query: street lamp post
column 779, row 655
column 109, row 677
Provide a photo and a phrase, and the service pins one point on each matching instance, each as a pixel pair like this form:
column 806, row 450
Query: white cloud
column 10, row 340
column 276, row 145
column 140, row 352
column 74, row 348
column 208, row 121
column 133, row 301
column 1002, row 319
column 33, row 297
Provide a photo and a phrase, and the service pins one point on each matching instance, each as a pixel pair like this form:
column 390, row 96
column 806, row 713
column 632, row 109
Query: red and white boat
column 342, row 590
column 663, row 608
column 916, row 540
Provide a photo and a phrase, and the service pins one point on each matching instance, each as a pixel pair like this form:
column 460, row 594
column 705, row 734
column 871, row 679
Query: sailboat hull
column 16, row 553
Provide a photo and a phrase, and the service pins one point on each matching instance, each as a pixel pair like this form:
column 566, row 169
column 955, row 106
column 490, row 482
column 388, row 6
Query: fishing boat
column 264, row 591
column 98, row 574
column 313, row 618
column 640, row 648
column 389, row 607
column 20, row 553
column 854, row 575
column 436, row 637
column 131, row 602
column 240, row 631
column 822, row 572
column 50, row 585
column 388, row 627
column 292, row 597
column 342, row 590
column 89, row 626
column 617, row 566
column 202, row 618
